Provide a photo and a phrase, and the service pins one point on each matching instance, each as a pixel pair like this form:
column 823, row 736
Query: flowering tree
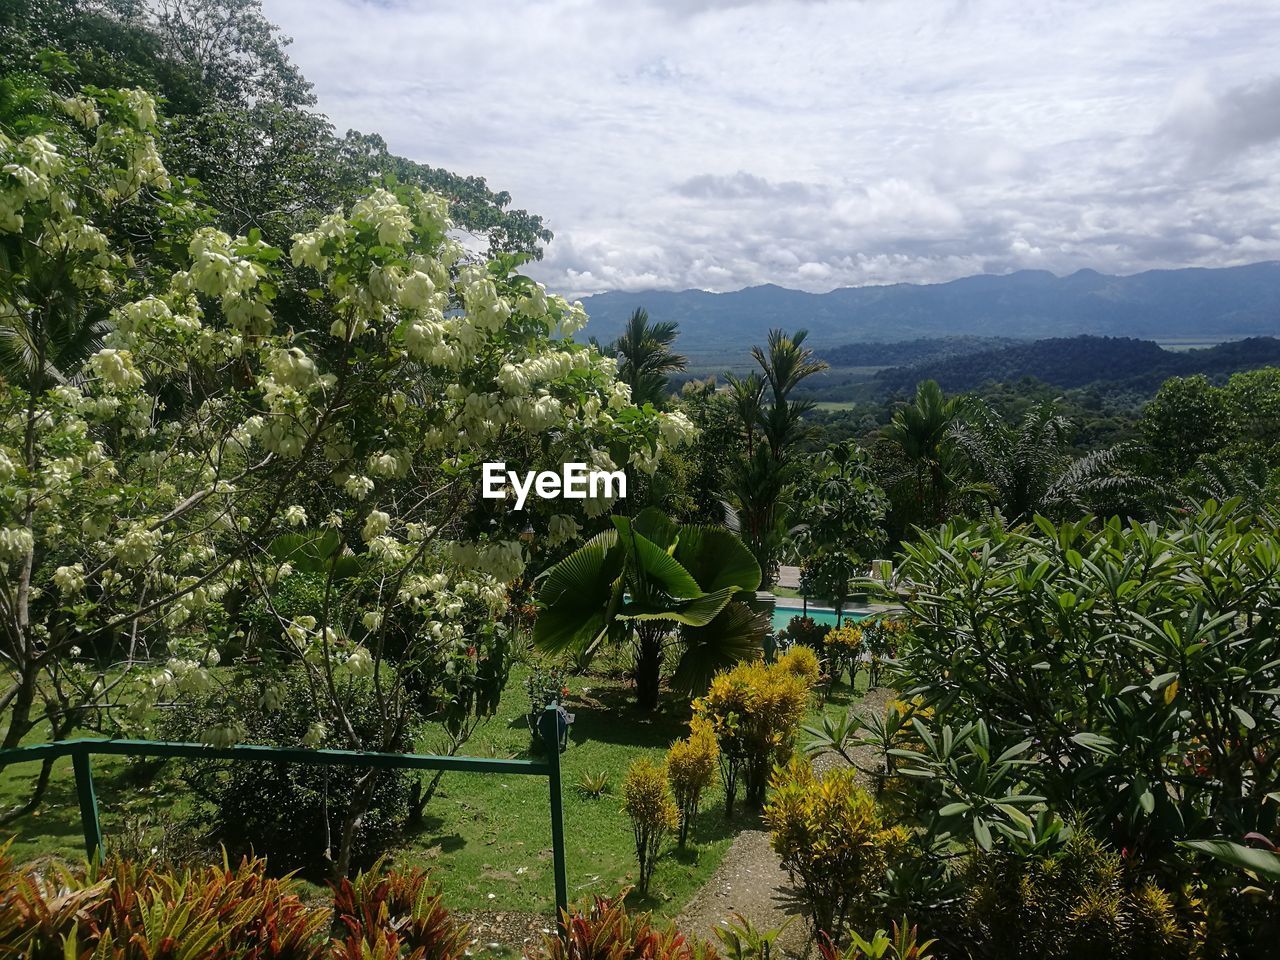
column 221, row 440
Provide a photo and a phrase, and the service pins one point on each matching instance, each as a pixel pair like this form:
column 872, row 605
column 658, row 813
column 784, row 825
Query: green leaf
column 1243, row 716
column 955, row 809
column 577, row 597
column 717, row 558
column 735, row 634
column 1264, row 863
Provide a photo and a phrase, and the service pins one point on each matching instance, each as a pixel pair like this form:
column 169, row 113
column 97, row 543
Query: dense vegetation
column 250, row 376
column 1116, row 364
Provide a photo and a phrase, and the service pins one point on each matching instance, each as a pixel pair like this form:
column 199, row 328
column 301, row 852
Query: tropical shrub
column 394, row 914
column 844, row 647
column 594, row 785
column 829, row 835
column 806, row 631
column 1131, row 671
column 606, row 931
column 289, row 812
column 657, row 585
column 646, row 799
column 691, row 763
column 755, row 710
column 743, row 940
column 904, row 944
column 1080, row 901
column 123, row 910
column 802, row 662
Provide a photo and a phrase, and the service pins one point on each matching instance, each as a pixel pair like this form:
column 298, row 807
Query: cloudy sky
column 718, row 144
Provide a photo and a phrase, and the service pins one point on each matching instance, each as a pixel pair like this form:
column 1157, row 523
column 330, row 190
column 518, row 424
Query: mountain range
column 1213, row 304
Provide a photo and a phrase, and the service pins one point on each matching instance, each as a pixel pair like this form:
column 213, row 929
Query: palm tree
column 1029, row 469
column 645, row 358
column 922, row 433
column 761, row 479
column 654, row 583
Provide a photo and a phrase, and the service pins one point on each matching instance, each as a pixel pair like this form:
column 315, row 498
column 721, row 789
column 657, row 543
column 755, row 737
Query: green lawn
column 486, row 837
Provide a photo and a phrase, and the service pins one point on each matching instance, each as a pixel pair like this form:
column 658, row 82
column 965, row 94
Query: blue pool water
column 782, row 616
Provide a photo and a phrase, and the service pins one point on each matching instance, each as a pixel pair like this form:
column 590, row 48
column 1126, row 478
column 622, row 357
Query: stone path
column 750, row 880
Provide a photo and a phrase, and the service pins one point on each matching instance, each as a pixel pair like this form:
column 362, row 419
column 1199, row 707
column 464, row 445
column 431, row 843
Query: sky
column 719, row 144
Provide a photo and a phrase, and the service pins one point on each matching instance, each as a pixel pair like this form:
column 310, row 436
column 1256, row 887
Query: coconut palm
column 656, row 585
column 645, row 357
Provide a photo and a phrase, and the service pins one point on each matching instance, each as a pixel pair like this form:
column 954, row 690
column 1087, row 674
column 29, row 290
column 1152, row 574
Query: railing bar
column 266, row 754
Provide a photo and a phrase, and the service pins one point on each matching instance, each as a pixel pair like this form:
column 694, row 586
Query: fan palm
column 655, row 583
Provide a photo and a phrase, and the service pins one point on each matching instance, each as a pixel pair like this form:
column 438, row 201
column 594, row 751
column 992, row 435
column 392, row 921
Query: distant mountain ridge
column 1159, row 304
column 1067, row 362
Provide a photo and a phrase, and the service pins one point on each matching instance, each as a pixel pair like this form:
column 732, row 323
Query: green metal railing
column 81, row 750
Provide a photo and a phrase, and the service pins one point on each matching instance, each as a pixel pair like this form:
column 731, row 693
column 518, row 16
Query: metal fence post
column 88, row 804
column 551, row 741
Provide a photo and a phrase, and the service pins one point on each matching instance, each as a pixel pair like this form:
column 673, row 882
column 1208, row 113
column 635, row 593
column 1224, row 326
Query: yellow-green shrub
column 829, row 835
column 647, row 801
column 691, row 763
column 844, row 646
column 755, row 710
column 1077, row 902
column 802, row 661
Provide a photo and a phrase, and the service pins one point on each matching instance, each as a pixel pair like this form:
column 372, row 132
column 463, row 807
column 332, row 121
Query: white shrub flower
column 295, row 516
column 69, row 579
column 375, row 525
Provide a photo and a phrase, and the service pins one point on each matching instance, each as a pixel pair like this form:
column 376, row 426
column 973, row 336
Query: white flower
column 295, row 516
column 360, row 663
column 69, row 579
column 561, row 529
column 358, row 487
column 375, row 525
column 372, row 620
column 116, row 368
column 315, row 735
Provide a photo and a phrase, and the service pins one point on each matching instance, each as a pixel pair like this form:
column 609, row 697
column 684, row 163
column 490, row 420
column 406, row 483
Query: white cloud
column 814, row 144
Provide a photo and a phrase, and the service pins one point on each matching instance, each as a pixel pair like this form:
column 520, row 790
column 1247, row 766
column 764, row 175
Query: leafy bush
column 806, row 631
column 1078, row 902
column 393, row 915
column 903, row 945
column 691, row 763
column 755, row 710
column 829, row 835
column 648, row 803
column 844, row 646
column 801, row 661
column 123, row 911
column 1139, row 665
column 291, row 813
column 606, row 931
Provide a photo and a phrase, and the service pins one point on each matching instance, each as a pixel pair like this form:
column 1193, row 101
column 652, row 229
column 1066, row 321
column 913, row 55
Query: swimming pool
column 783, row 616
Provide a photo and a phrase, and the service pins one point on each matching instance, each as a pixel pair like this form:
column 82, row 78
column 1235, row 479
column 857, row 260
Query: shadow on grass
column 610, row 716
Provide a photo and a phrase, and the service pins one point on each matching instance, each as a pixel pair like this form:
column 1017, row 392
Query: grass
column 486, row 837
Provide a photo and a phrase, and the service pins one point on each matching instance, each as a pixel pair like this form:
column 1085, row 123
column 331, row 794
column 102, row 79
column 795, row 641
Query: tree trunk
column 648, row 665
column 359, row 806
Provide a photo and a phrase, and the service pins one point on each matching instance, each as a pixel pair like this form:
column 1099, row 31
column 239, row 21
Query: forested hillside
column 1119, row 362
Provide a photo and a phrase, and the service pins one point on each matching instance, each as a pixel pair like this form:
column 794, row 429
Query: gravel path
column 751, row 882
